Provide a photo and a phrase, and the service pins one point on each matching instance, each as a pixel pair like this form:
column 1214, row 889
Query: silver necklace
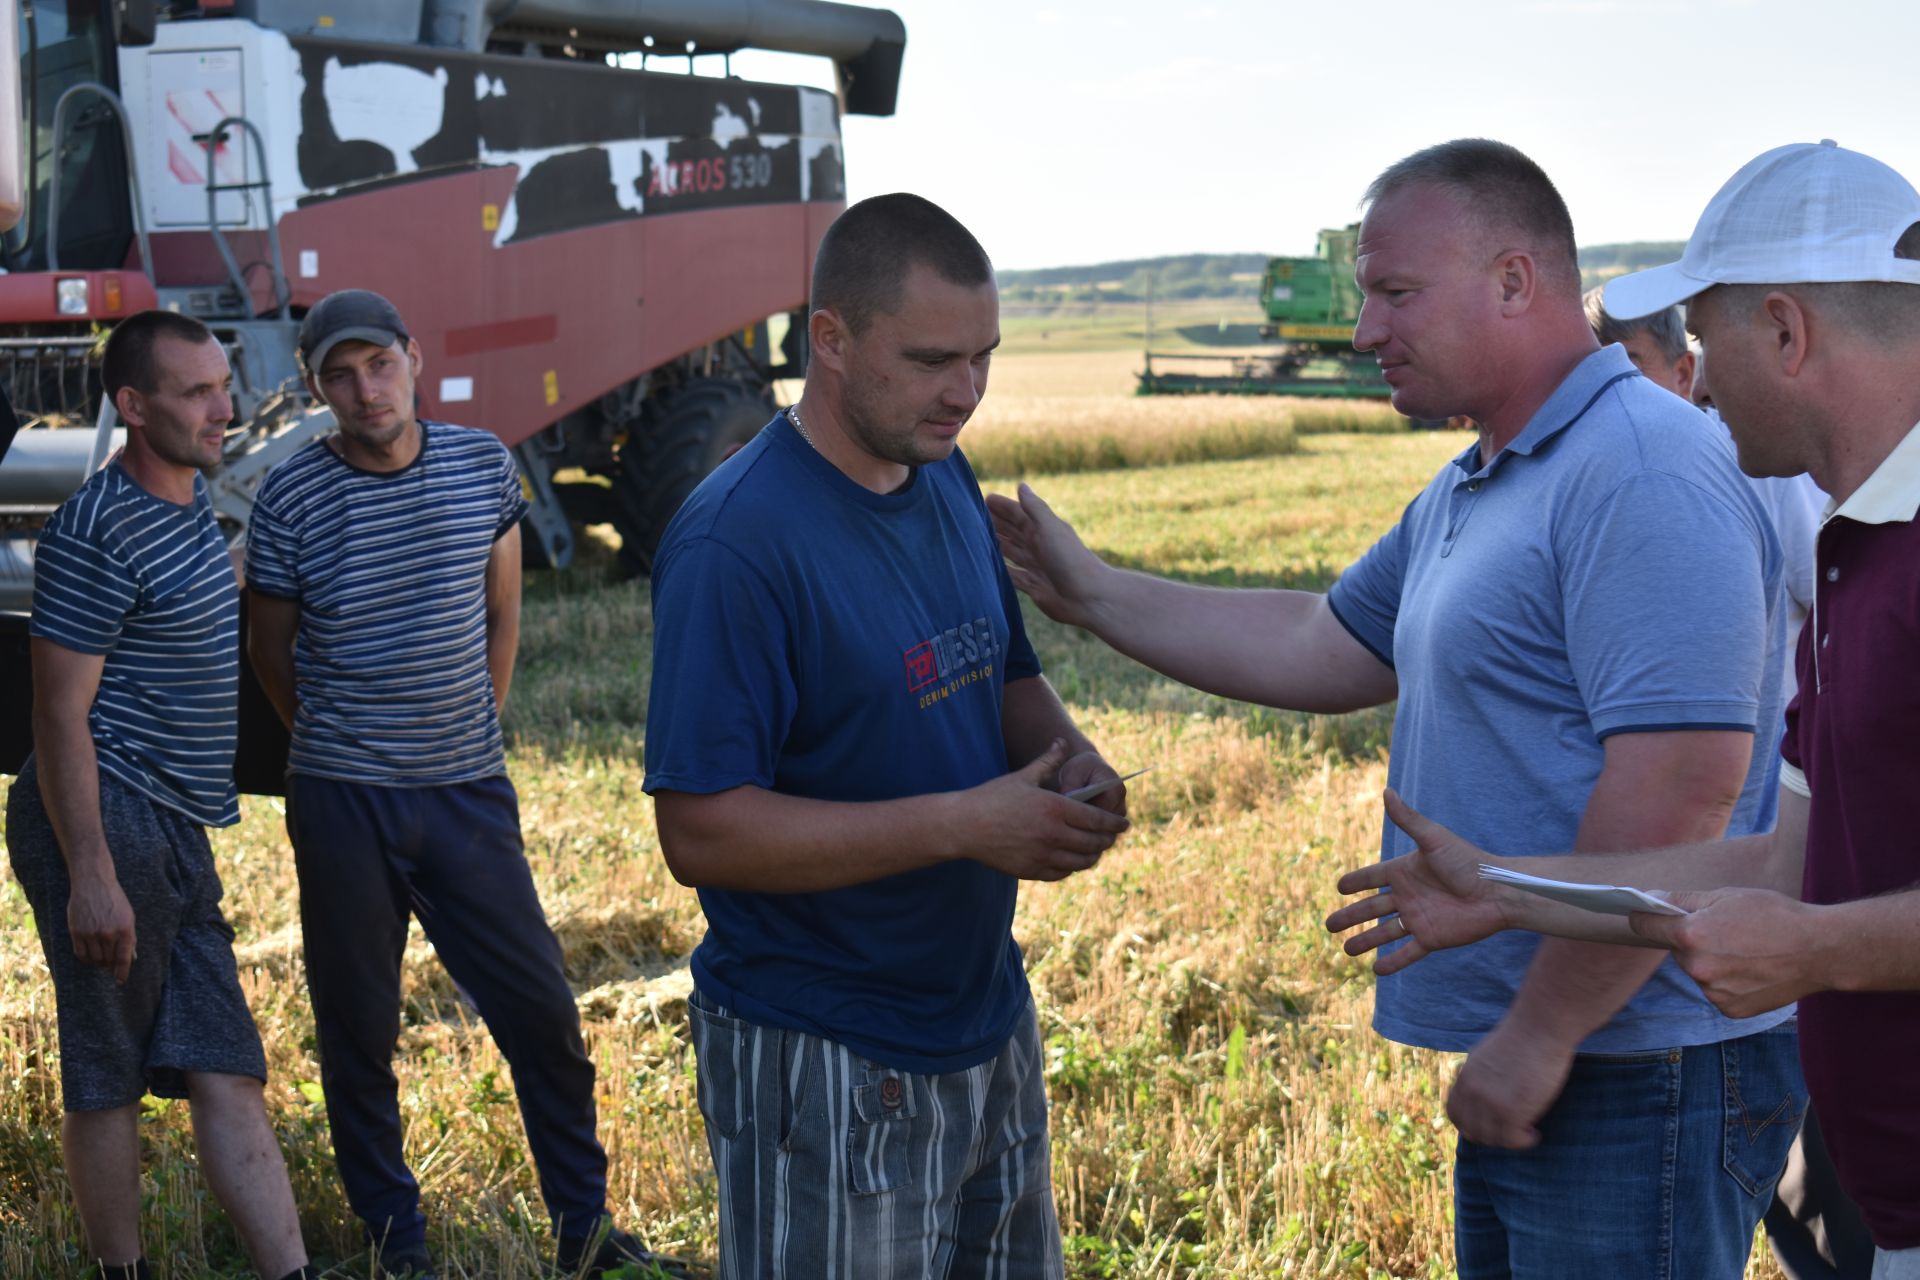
column 793, row 416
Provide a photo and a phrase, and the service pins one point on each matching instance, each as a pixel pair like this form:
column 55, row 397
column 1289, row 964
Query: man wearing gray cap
column 1802, row 282
column 391, row 553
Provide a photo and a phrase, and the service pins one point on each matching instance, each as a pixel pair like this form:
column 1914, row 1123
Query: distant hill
column 1186, row 275
column 1237, row 275
column 1602, row 262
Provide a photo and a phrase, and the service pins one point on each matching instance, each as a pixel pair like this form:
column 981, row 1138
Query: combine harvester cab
column 1310, row 306
column 593, row 257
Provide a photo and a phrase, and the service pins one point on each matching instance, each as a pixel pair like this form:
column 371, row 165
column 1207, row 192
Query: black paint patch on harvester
column 533, row 105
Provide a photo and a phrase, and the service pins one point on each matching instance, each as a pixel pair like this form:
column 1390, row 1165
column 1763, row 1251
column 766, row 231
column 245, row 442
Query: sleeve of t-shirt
column 723, row 695
column 272, row 562
column 513, row 496
column 1665, row 593
column 1022, row 661
column 82, row 593
column 1366, row 599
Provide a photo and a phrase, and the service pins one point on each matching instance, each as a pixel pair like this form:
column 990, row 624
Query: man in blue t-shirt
column 383, row 564
column 1579, row 618
column 136, row 675
column 855, row 759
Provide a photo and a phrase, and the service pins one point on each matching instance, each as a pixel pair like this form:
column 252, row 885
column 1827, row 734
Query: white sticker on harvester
column 455, row 389
column 309, row 263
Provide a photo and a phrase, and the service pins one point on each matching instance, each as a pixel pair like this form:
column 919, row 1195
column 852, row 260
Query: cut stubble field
column 1219, row 1106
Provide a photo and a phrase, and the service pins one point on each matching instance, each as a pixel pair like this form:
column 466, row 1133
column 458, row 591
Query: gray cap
column 350, row 315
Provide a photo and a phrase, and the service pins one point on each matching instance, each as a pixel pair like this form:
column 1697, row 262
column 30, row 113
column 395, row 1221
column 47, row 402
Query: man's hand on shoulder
column 100, row 920
column 1045, row 557
column 1019, row 826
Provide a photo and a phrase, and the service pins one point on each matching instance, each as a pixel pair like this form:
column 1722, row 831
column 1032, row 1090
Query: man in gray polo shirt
column 1802, row 281
column 1579, row 619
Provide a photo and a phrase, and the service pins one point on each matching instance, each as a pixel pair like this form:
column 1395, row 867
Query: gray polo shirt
column 1610, row 571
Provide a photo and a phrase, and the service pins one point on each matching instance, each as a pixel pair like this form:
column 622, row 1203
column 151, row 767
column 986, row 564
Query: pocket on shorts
column 1765, row 1101
column 724, row 1086
column 880, row 1139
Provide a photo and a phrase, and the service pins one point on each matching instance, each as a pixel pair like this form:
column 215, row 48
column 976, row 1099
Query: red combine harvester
column 589, row 254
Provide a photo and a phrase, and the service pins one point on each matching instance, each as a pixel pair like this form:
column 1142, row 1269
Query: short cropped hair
column 863, row 261
column 1884, row 313
column 128, row 359
column 1667, row 329
column 1505, row 193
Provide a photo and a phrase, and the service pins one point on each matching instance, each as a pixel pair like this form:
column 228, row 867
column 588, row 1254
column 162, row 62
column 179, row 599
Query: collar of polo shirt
column 1891, row 495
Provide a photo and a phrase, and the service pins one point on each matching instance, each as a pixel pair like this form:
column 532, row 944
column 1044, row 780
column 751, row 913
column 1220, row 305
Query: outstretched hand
column 1433, row 897
column 1045, row 557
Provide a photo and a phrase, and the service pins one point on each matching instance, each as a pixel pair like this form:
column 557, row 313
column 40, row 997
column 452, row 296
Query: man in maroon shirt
column 1802, row 283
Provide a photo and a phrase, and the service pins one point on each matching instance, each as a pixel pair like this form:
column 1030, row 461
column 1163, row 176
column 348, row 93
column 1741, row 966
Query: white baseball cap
column 1810, row 213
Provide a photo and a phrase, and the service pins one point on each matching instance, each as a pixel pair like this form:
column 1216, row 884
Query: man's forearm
column 503, row 641
column 1654, row 790
column 1270, row 647
column 503, row 613
column 69, row 772
column 1574, row 988
column 274, row 670
column 753, row 840
column 1877, row 943
column 1746, row 861
column 1032, row 716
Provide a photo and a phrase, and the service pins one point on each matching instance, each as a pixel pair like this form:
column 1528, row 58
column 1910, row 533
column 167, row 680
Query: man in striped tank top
column 136, row 669
column 384, row 566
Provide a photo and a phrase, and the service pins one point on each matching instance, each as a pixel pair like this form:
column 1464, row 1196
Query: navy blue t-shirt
column 814, row 638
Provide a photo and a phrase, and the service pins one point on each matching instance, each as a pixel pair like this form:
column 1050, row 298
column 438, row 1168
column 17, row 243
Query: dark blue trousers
column 367, row 857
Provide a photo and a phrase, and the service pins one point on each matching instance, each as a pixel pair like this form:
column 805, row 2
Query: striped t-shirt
column 149, row 584
column 390, row 572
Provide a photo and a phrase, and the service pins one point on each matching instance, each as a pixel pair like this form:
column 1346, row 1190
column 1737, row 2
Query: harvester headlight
column 71, row 296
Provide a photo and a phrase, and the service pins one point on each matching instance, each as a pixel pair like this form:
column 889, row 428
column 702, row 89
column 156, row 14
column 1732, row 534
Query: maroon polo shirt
column 1853, row 736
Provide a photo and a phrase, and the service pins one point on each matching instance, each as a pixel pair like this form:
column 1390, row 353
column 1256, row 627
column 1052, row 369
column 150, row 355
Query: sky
column 1077, row 131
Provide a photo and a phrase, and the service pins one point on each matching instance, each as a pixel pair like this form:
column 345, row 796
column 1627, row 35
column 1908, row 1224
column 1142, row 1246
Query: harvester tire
column 684, row 435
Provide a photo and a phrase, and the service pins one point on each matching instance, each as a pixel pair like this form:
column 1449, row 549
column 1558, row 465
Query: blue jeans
column 1651, row 1166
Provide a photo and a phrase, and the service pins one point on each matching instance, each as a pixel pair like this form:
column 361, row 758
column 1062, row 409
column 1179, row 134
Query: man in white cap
column 1802, row 282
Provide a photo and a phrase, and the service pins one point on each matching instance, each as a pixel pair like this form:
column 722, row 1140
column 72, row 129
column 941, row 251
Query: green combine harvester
column 1311, row 305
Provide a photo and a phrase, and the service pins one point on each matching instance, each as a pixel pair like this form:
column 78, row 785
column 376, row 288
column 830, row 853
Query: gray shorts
column 180, row 1009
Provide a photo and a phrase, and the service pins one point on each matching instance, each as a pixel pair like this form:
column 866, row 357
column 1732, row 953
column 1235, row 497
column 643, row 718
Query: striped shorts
column 832, row 1167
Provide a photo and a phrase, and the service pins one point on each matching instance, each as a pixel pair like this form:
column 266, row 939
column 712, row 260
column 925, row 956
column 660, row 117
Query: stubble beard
column 866, row 423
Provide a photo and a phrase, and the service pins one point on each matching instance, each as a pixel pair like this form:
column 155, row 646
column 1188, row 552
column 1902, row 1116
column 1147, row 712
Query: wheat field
column 1220, row 1107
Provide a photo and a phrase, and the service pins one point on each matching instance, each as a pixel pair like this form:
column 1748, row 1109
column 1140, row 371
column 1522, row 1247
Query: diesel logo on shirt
column 947, row 653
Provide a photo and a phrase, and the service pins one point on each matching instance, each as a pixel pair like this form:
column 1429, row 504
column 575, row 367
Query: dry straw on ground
column 1220, row 1108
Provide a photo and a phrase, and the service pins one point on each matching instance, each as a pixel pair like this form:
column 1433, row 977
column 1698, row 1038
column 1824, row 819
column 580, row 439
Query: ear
column 414, row 361
column 828, row 339
column 1683, row 376
column 313, row 385
column 131, row 406
column 1518, row 278
column 1788, row 321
